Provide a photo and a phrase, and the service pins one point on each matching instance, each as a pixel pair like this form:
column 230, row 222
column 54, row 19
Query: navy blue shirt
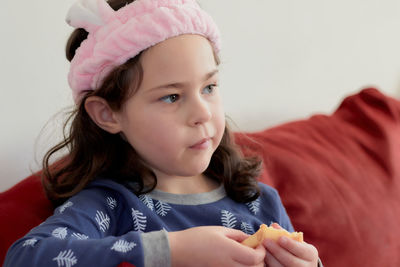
column 106, row 224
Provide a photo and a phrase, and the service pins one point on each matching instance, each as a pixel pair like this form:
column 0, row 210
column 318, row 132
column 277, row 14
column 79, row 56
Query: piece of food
column 271, row 233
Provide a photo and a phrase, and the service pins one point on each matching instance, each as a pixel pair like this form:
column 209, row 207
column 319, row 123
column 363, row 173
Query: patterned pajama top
column 106, row 224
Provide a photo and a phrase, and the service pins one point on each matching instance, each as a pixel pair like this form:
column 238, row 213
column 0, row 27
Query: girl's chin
column 196, row 170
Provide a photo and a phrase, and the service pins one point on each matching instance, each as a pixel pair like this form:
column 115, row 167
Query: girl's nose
column 199, row 111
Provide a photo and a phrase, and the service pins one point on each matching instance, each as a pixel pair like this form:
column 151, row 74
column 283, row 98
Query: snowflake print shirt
column 106, row 224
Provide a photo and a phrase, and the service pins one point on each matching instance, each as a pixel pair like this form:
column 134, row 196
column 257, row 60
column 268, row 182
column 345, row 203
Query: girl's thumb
column 236, row 235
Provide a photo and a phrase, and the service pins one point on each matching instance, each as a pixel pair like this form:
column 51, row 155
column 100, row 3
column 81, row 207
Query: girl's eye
column 209, row 88
column 170, row 98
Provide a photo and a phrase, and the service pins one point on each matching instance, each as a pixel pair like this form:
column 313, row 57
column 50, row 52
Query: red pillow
column 339, row 178
column 22, row 207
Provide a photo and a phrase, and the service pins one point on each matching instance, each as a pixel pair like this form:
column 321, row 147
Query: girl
column 152, row 177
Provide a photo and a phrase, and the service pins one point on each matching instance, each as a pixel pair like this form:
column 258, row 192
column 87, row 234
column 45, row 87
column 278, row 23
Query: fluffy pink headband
column 116, row 36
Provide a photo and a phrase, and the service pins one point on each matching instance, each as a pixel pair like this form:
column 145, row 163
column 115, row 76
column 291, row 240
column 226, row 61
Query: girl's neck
column 186, row 185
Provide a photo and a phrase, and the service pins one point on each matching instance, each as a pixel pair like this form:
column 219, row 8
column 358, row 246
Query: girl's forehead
column 178, row 59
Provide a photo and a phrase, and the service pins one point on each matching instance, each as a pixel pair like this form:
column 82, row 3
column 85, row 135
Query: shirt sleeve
column 93, row 228
column 156, row 249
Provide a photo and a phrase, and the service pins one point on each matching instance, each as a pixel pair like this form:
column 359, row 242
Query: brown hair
column 95, row 153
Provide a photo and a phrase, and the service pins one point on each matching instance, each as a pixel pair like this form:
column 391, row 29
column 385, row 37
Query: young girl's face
column 175, row 121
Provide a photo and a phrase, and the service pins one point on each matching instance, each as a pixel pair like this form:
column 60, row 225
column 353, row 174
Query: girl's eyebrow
column 181, row 85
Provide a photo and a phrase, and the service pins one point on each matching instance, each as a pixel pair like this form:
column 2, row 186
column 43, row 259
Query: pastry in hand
column 269, row 232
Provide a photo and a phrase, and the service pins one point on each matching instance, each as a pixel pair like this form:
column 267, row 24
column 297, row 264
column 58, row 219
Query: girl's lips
column 203, row 144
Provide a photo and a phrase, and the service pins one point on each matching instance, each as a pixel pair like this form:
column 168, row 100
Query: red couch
column 338, row 176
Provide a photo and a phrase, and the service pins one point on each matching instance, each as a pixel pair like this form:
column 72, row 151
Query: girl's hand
column 213, row 246
column 287, row 252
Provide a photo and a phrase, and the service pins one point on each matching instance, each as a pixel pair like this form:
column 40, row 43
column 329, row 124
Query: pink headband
column 116, row 36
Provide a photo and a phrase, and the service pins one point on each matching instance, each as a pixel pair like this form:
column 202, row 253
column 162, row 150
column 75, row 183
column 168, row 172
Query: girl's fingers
column 243, row 254
column 301, row 250
column 236, row 235
column 259, row 260
column 270, row 260
column 282, row 255
column 249, row 256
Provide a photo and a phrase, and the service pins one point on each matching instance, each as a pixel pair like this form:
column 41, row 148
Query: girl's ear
column 101, row 113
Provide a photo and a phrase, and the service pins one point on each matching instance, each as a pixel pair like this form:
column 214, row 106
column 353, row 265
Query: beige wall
column 281, row 60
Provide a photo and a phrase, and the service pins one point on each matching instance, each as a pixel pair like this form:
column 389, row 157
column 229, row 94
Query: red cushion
column 125, row 264
column 22, row 207
column 339, row 178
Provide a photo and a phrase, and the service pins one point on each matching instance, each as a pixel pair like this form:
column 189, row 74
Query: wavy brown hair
column 94, row 153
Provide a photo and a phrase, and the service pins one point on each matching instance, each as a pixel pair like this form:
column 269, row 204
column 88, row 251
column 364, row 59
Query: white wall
column 282, row 60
